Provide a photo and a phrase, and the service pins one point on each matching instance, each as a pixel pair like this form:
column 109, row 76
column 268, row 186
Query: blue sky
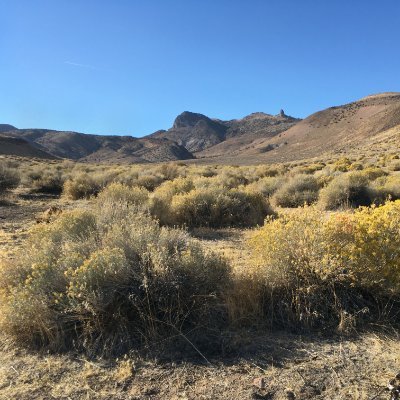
column 130, row 66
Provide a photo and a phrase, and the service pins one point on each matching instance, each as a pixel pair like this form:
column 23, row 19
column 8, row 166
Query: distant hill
column 6, row 127
column 256, row 138
column 197, row 132
column 243, row 133
column 97, row 148
column 20, row 147
column 194, row 131
column 335, row 129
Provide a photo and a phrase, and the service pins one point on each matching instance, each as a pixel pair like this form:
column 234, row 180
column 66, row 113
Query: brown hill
column 335, row 129
column 20, row 147
column 243, row 133
column 195, row 132
column 97, row 148
column 256, row 138
column 6, row 127
column 199, row 133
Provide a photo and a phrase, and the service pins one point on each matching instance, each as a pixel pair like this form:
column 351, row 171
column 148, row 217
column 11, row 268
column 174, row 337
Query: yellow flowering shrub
column 313, row 266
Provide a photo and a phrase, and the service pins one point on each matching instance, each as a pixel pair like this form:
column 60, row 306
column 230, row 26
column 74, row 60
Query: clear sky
column 130, row 66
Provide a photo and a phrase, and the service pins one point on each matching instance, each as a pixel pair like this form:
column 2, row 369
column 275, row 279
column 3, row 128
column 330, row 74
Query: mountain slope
column 243, row 133
column 335, row 129
column 97, row 148
column 194, row 131
column 199, row 133
column 6, row 127
column 21, row 148
column 256, row 138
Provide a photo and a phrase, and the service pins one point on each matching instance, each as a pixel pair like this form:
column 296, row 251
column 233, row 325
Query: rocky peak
column 188, row 119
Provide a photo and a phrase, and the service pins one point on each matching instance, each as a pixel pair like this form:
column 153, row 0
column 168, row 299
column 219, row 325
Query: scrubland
column 268, row 271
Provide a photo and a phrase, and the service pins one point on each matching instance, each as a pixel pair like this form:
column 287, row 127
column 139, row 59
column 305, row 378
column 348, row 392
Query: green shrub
column 108, row 280
column 297, row 191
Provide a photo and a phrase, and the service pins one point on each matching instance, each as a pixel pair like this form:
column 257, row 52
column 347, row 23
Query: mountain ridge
column 257, row 137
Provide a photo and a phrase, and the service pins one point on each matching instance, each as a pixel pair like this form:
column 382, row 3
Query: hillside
column 335, row 129
column 20, row 147
column 194, row 131
column 243, row 133
column 6, row 127
column 198, row 133
column 96, row 148
column 258, row 137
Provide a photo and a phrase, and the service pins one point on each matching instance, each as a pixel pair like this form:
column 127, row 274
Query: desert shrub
column 232, row 178
column 119, row 193
column 312, row 271
column 271, row 170
column 342, row 164
column 149, row 181
column 219, row 207
column 373, row 173
column 385, row 188
column 9, row 178
column 395, row 165
column 351, row 189
column 107, row 280
column 308, row 169
column 169, row 172
column 356, row 166
column 45, row 180
column 297, row 191
column 82, row 186
column 267, row 185
column 208, row 172
column 160, row 205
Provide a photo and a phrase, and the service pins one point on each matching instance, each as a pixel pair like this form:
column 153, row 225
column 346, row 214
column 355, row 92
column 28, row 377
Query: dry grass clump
column 9, row 177
column 297, row 191
column 107, row 280
column 313, row 271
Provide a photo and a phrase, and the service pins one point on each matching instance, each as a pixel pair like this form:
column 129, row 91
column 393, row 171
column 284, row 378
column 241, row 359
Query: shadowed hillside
column 96, row 148
column 20, row 147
